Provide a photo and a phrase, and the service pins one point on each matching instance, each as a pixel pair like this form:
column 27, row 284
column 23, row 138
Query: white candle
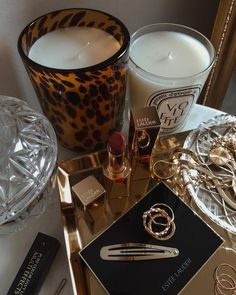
column 167, row 69
column 73, row 47
column 170, row 54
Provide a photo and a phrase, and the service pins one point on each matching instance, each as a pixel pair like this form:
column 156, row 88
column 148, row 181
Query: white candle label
column 173, row 105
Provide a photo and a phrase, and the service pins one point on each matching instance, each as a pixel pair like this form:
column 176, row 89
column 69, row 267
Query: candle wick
column 170, row 55
column 82, row 49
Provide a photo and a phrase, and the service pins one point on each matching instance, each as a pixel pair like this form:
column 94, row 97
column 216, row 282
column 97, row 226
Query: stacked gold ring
column 225, row 279
column 158, row 221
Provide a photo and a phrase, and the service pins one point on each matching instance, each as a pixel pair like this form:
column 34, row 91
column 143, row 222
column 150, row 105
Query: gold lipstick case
column 144, row 131
column 116, row 170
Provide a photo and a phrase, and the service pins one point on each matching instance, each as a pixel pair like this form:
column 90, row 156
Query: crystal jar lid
column 28, row 154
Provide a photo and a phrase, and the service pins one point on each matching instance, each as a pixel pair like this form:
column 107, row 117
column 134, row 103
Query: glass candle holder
column 84, row 104
column 168, row 67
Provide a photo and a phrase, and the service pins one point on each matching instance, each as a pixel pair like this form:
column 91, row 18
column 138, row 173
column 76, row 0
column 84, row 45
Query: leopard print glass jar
column 84, row 105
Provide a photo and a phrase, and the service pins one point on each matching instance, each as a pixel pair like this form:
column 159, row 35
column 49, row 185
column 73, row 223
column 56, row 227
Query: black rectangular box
column 35, row 266
column 194, row 239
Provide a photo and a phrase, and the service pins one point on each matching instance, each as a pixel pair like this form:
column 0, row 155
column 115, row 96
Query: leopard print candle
column 84, row 105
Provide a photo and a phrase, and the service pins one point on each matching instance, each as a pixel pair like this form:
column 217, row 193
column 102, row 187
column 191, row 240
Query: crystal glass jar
column 28, row 154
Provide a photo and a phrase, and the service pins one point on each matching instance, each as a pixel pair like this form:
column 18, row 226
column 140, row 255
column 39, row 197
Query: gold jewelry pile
column 158, row 221
column 225, row 279
column 223, row 148
column 186, row 160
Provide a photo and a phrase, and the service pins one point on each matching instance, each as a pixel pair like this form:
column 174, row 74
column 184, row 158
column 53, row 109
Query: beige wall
column 16, row 14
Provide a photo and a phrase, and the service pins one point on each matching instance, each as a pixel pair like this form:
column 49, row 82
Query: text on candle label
column 173, row 105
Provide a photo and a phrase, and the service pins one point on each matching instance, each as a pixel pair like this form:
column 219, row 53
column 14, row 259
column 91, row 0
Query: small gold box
column 88, row 192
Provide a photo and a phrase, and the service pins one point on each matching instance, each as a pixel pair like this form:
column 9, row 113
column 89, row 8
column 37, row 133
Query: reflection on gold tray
column 79, row 232
column 204, row 282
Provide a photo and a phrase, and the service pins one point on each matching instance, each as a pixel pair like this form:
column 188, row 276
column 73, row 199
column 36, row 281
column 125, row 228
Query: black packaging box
column 36, row 265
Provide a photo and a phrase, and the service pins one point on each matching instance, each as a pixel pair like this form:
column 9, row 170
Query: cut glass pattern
column 28, row 153
column 209, row 200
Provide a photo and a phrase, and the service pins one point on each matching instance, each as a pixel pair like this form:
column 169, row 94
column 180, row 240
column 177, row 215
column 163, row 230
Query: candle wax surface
column 73, row 47
column 170, row 54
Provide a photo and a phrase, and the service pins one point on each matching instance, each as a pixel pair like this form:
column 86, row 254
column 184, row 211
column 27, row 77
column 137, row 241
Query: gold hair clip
column 136, row 252
column 61, row 286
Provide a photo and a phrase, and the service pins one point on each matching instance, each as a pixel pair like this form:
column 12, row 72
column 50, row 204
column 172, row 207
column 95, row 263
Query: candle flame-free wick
column 166, row 57
column 82, row 50
column 170, row 55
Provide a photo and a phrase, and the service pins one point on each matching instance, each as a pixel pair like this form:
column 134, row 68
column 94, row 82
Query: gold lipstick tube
column 144, row 131
column 117, row 179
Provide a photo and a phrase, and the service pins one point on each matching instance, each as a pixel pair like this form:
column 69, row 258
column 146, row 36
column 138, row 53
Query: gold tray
column 79, row 232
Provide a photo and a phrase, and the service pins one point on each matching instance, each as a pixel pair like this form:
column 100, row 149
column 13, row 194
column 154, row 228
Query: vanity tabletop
column 14, row 247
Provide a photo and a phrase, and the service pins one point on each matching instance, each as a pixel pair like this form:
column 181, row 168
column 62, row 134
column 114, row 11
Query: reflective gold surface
column 79, row 231
column 204, row 282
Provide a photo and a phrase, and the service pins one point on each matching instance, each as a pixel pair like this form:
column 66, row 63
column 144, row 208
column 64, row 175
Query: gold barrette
column 136, row 252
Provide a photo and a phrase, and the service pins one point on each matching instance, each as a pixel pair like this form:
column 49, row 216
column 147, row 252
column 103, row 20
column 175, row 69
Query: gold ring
column 143, row 139
column 167, row 235
column 172, row 216
column 152, row 224
column 224, row 280
column 164, row 170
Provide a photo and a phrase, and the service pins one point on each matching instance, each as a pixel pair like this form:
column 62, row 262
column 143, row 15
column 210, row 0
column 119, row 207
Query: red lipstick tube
column 117, row 168
column 117, row 171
